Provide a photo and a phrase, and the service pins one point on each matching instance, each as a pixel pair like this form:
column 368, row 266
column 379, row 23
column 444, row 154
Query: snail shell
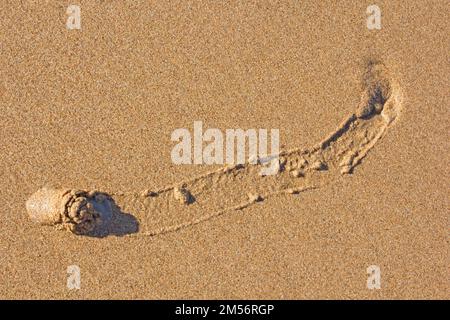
column 75, row 210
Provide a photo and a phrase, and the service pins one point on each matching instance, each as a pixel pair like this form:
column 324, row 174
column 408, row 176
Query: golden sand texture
column 93, row 109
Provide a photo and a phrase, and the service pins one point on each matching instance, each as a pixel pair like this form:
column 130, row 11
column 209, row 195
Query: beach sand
column 94, row 109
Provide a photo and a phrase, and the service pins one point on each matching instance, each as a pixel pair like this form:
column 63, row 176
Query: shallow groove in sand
column 235, row 188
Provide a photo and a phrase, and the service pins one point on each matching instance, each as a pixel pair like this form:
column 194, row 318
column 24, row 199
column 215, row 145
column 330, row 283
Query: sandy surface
column 94, row 109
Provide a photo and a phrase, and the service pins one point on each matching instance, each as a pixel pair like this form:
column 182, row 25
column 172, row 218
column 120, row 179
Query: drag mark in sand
column 210, row 195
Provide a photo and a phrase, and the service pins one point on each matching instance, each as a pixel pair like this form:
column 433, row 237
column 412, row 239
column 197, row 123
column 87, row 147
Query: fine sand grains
column 233, row 188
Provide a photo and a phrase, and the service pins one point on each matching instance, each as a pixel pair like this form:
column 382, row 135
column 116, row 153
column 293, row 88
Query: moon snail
column 78, row 211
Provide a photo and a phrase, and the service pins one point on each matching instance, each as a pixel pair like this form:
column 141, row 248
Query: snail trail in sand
column 212, row 194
